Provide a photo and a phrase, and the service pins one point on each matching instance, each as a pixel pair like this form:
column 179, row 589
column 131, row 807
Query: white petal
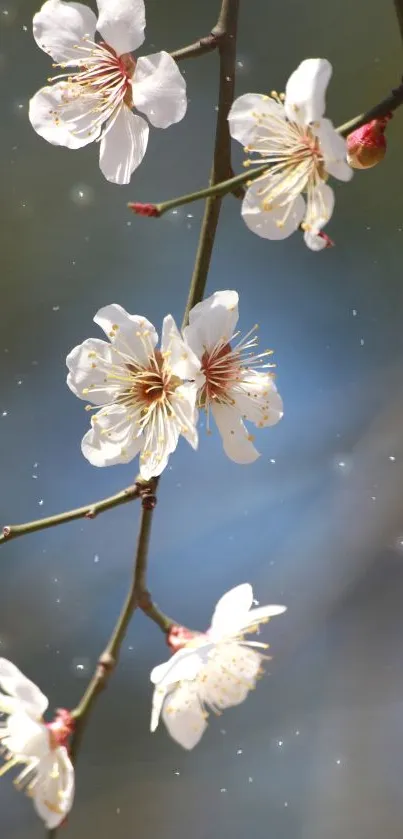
column 278, row 222
column 231, row 610
column 12, row 681
column 185, row 664
column 305, row 90
column 161, row 435
column 229, row 676
column 132, row 335
column 236, row 440
column 123, row 146
column 54, row 790
column 121, row 23
column 257, row 399
column 211, row 321
column 89, row 364
column 184, row 404
column 159, row 89
column 62, row 119
column 60, row 27
column 121, row 447
column 334, row 150
column 26, row 736
column 320, row 204
column 255, row 616
column 183, row 716
column 183, row 362
column 314, row 241
column 254, row 116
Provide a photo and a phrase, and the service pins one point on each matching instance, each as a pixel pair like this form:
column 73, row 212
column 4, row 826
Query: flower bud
column 367, row 145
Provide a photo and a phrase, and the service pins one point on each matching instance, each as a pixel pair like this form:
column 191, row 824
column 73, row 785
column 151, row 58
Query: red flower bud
column 367, row 145
column 144, row 209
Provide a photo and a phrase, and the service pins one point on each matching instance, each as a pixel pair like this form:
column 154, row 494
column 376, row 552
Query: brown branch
column 90, row 511
column 204, row 45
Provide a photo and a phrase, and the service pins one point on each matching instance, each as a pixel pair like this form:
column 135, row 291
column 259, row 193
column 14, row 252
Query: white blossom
column 302, row 149
column 48, row 774
column 144, row 398
column 236, row 384
column 213, row 670
column 102, row 83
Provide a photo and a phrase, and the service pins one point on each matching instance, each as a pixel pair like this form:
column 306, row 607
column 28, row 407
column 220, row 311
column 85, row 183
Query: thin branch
column 382, row 109
column 90, row 511
column 200, row 47
column 399, row 13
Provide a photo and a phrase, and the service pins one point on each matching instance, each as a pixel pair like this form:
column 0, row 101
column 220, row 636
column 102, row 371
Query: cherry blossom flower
column 95, row 101
column 144, row 397
column 213, row 670
column 48, row 774
column 301, row 148
column 236, row 384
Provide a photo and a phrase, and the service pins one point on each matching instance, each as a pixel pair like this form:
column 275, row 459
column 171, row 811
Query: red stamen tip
column 144, row 209
column 328, row 240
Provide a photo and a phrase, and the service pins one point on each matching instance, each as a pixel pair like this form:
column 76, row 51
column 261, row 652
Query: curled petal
column 54, row 789
column 212, row 321
column 63, row 119
column 159, row 89
column 262, row 613
column 319, row 208
column 306, row 89
column 13, row 682
column 122, row 23
column 59, row 28
column 231, row 610
column 184, row 716
column 183, row 403
column 123, row 145
column 88, row 365
column 132, row 336
column 236, row 440
column 274, row 221
column 181, row 359
column 317, row 241
column 334, row 150
column 254, row 116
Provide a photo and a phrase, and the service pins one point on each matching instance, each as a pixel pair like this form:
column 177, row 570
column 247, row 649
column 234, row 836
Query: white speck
column 189, row 215
column 5, row 12
column 55, row 580
column 79, row 667
column 222, row 731
column 250, row 779
column 58, row 600
column 19, row 382
column 118, row 811
column 272, row 460
column 373, row 497
column 285, row 803
column 25, row 28
column 223, row 789
column 255, row 602
column 392, row 458
column 96, row 558
column 176, row 772
column 280, row 743
column 40, row 502
column 228, row 78
column 342, row 464
column 55, row 308
column 34, row 476
column 362, row 342
column 4, row 414
column 355, row 313
column 131, row 648
column 338, row 761
column 239, row 64
column 239, row 752
column 297, row 733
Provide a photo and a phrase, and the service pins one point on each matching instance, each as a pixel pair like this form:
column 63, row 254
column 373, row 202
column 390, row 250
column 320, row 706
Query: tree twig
column 89, row 511
column 200, row 47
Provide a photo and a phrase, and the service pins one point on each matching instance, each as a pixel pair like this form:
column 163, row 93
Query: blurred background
column 317, row 523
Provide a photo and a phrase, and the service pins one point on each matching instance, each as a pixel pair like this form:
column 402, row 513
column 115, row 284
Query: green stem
column 90, row 511
column 216, row 189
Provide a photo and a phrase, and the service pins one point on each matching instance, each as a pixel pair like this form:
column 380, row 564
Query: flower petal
column 305, row 90
column 159, row 89
column 132, row 336
column 255, row 616
column 122, row 23
column 12, row 681
column 59, row 28
column 183, row 403
column 334, row 150
column 257, row 399
column 26, row 736
column 320, row 204
column 236, row 440
column 231, row 609
column 278, row 222
column 181, row 359
column 183, row 715
column 254, row 116
column 54, row 789
column 123, row 146
column 229, row 676
column 161, row 435
column 185, row 664
column 88, row 364
column 211, row 321
column 62, row 119
column 314, row 241
column 120, row 447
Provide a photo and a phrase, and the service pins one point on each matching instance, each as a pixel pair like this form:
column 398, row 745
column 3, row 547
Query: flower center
column 103, row 81
column 152, row 385
column 221, row 368
column 60, row 729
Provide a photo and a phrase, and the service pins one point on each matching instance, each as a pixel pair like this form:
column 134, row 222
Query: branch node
column 7, row 531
